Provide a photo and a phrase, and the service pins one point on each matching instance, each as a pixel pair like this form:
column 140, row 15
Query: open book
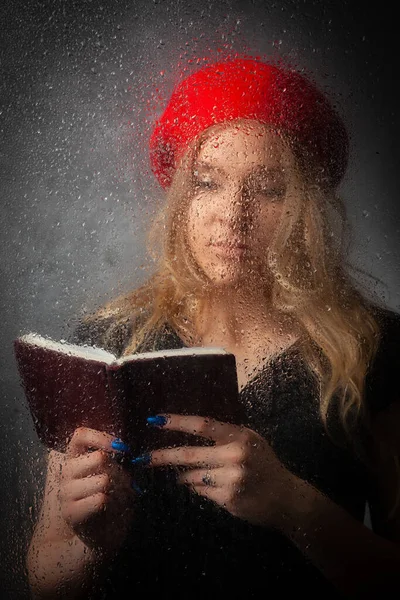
column 68, row 386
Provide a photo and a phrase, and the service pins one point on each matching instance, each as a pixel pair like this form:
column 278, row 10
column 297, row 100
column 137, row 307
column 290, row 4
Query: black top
column 185, row 546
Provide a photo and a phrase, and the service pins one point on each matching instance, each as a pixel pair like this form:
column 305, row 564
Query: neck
column 235, row 315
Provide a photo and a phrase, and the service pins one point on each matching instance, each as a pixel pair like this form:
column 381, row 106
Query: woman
column 251, row 258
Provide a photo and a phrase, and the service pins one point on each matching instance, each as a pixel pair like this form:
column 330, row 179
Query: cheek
column 268, row 220
column 198, row 217
column 197, row 225
column 275, row 214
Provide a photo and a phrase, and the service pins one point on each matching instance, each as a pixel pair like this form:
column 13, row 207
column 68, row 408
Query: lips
column 229, row 251
column 229, row 245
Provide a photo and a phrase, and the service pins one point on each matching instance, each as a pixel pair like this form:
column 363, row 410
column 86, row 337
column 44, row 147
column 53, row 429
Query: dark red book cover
column 189, row 384
column 66, row 391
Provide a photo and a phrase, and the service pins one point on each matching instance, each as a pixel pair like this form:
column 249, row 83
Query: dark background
column 81, row 84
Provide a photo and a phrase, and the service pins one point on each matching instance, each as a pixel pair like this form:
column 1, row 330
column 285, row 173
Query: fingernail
column 137, row 489
column 119, row 445
column 157, row 421
column 144, row 459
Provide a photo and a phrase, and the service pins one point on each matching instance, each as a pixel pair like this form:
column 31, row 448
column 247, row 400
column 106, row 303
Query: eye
column 271, row 192
column 205, row 184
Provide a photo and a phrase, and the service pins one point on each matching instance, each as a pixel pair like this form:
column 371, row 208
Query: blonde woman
column 251, row 257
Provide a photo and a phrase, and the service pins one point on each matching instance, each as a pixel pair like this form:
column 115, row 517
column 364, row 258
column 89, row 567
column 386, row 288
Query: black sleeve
column 107, row 333
column 381, row 392
column 383, row 376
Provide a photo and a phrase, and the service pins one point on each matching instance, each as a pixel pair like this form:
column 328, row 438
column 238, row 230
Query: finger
column 88, row 486
column 201, row 477
column 205, row 427
column 85, row 438
column 212, row 477
column 88, row 464
column 201, row 456
column 215, row 493
column 78, row 512
column 233, row 453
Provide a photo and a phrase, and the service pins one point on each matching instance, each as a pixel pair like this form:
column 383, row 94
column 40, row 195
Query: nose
column 234, row 207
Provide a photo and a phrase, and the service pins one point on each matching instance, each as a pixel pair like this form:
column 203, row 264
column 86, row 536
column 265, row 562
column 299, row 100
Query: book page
column 195, row 351
column 87, row 352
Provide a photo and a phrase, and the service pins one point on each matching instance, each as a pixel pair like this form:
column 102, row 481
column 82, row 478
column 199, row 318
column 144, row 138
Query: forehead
column 243, row 145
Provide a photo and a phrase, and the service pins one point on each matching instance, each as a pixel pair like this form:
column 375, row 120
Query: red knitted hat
column 248, row 88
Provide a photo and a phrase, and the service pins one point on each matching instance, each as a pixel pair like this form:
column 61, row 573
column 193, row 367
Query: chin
column 239, row 279
column 225, row 277
column 231, row 274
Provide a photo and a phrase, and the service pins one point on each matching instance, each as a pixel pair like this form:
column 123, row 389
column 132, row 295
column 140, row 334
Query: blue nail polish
column 157, row 421
column 137, row 489
column 144, row 459
column 119, row 445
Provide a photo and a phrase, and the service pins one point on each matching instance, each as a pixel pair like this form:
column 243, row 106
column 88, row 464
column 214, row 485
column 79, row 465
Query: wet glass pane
column 84, row 177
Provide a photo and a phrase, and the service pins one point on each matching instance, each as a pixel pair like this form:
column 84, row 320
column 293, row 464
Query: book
column 68, row 386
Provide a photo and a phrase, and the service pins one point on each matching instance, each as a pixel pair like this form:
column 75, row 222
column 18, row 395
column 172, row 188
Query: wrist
column 295, row 505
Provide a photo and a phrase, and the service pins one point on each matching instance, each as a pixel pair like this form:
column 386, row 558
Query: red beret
column 249, row 88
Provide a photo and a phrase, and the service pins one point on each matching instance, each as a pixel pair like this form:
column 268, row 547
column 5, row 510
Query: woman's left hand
column 240, row 472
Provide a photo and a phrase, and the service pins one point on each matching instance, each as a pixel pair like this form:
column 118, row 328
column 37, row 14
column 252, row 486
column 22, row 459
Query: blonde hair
column 310, row 282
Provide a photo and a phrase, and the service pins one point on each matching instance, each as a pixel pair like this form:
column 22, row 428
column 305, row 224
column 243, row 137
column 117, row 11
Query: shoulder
column 388, row 320
column 114, row 334
column 383, row 400
column 384, row 369
column 109, row 333
column 163, row 337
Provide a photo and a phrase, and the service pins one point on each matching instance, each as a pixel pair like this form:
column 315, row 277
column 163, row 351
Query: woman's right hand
column 95, row 492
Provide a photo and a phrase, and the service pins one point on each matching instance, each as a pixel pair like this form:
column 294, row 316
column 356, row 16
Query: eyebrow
column 259, row 169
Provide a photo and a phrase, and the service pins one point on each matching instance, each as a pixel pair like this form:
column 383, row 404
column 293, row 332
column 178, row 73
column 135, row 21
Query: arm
column 361, row 563
column 67, row 566
column 57, row 558
column 248, row 480
column 357, row 561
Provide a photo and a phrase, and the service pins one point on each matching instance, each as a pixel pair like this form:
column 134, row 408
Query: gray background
column 81, row 85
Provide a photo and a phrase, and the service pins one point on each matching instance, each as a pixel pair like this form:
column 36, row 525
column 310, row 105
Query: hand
column 95, row 493
column 240, row 472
